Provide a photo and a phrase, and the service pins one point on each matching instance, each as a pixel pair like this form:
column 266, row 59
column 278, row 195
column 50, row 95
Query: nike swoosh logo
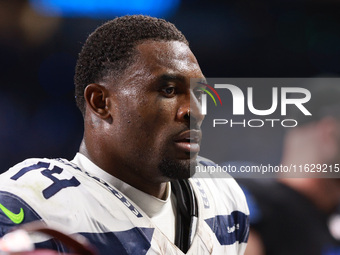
column 17, row 218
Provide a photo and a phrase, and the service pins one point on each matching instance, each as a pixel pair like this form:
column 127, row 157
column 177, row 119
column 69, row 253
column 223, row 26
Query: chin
column 178, row 169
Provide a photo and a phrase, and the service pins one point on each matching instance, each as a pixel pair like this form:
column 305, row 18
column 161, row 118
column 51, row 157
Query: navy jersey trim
column 14, row 204
column 132, row 241
column 230, row 228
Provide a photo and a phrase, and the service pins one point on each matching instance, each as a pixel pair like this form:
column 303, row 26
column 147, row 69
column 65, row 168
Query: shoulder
column 37, row 174
column 36, row 165
column 51, row 190
column 36, row 183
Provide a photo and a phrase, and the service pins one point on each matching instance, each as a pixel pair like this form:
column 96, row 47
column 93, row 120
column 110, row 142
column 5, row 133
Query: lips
column 189, row 141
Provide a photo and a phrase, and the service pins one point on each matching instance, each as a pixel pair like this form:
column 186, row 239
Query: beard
column 177, row 170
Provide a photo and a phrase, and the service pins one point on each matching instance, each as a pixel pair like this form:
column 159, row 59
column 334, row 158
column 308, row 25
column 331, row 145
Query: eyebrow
column 171, row 77
column 180, row 78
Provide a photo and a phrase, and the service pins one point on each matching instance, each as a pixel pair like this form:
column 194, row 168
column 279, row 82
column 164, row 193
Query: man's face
column 150, row 131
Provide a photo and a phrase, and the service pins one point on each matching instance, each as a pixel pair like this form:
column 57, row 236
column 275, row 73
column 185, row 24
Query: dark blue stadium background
column 243, row 38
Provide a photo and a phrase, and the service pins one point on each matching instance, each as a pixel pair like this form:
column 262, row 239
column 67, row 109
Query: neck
column 138, row 181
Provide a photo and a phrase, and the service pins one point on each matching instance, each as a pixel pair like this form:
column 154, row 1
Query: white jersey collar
column 151, row 205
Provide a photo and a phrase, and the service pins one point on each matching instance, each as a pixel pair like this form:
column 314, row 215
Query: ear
column 97, row 100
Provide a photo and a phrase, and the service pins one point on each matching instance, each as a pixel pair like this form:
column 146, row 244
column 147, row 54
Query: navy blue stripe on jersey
column 14, row 204
column 132, row 241
column 230, row 228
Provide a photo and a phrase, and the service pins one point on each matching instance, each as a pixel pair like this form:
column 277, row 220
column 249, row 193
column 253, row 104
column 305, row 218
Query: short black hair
column 111, row 48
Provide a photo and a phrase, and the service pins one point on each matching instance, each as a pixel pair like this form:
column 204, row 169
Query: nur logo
column 204, row 97
column 239, row 99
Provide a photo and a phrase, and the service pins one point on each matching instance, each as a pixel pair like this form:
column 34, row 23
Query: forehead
column 172, row 57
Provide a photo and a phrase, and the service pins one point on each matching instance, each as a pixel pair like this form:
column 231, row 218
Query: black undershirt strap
column 186, row 209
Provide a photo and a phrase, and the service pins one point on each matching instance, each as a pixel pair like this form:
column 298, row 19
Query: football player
column 129, row 189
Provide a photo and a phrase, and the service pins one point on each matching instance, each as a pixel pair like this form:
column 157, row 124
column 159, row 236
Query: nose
column 190, row 112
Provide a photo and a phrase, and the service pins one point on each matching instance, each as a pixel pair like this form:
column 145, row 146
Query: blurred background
column 40, row 40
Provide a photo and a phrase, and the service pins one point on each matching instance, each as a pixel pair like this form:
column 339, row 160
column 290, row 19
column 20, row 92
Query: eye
column 169, row 91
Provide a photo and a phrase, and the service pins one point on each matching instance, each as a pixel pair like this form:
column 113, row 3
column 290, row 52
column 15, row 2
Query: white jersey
column 66, row 197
